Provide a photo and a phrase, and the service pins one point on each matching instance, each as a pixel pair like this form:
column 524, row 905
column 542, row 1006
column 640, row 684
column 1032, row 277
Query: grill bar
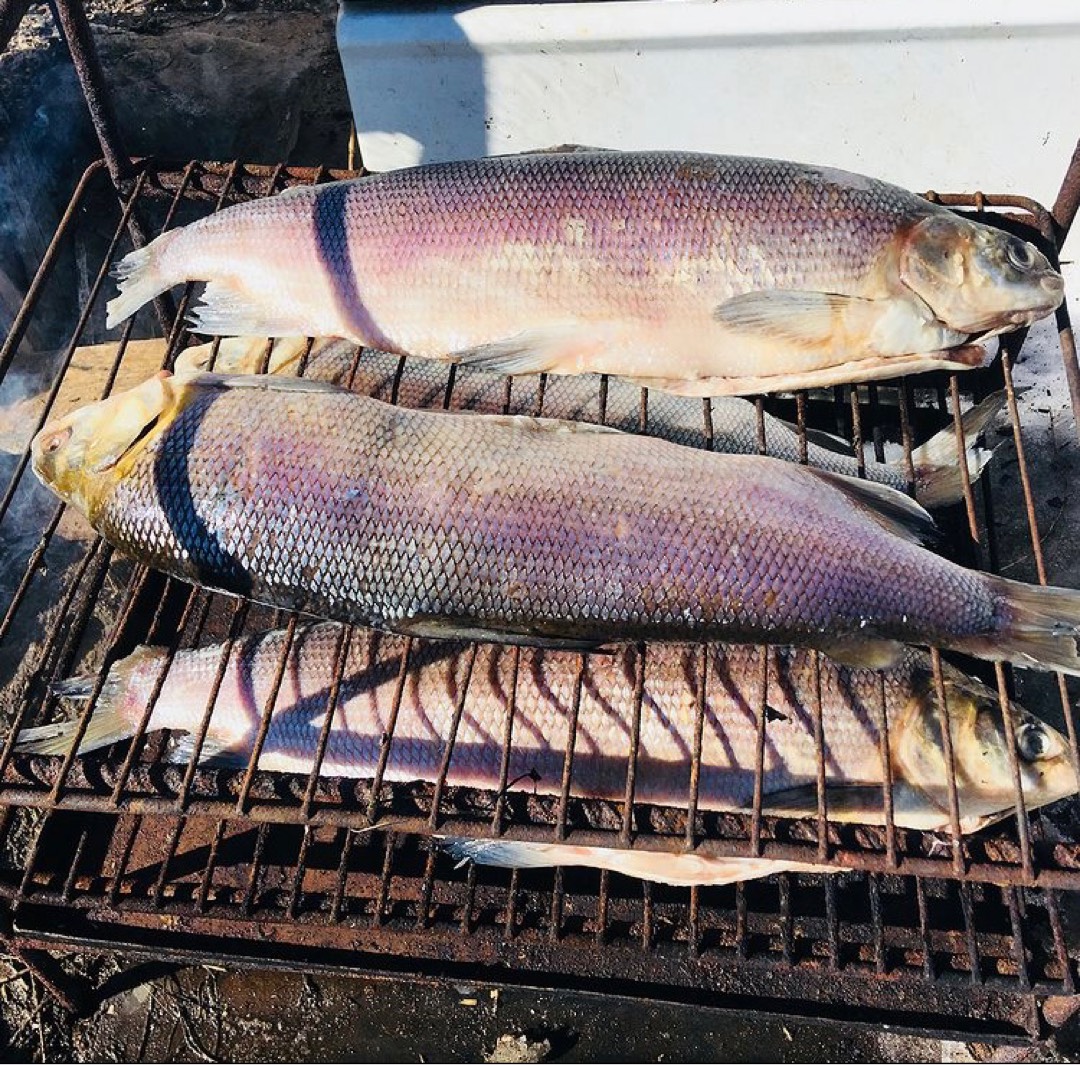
column 319, row 859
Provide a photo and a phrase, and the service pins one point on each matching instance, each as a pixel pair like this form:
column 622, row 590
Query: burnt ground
column 224, row 79
column 203, row 1014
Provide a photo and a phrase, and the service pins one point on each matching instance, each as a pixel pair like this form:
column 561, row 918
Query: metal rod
column 1068, row 199
column 568, row 757
column 45, row 269
column 635, row 743
column 75, row 29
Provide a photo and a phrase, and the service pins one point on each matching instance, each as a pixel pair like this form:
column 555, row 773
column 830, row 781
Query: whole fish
column 698, row 274
column 724, row 423
column 541, row 686
column 303, row 495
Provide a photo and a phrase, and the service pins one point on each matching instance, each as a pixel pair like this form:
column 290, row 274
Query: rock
column 517, row 1050
column 200, row 95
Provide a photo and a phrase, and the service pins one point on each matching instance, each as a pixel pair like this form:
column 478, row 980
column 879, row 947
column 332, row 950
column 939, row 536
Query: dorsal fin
column 259, row 382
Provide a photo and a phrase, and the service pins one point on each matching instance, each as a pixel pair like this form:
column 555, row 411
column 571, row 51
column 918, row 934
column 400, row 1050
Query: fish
column 724, row 423
column 308, row 497
column 542, row 685
column 695, row 274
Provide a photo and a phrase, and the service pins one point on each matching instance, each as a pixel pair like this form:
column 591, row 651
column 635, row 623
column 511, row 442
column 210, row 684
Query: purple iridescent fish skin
column 699, row 274
column 309, row 497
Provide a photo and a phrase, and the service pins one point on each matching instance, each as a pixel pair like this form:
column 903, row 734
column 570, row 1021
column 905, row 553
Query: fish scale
column 599, row 692
column 305, row 496
column 626, row 263
column 345, row 507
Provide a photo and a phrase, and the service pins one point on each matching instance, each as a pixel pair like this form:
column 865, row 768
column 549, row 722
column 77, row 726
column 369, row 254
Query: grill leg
column 44, row 968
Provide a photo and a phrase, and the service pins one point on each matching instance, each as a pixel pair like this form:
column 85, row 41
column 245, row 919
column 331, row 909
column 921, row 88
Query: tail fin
column 1039, row 627
column 140, row 279
column 113, row 719
column 938, row 481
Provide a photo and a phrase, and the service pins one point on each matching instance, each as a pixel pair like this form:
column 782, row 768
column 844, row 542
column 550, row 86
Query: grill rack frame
column 45, row 782
column 982, row 1018
column 508, row 929
column 134, row 788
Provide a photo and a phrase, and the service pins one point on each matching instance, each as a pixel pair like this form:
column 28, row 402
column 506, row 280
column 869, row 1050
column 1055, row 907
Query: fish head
column 81, row 455
column 976, row 279
column 981, row 756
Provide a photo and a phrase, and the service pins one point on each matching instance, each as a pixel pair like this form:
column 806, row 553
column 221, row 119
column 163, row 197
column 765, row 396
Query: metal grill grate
column 129, row 844
column 953, row 955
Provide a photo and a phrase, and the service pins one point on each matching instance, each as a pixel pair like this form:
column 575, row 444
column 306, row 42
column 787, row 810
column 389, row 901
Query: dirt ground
column 224, row 79
column 201, row 1014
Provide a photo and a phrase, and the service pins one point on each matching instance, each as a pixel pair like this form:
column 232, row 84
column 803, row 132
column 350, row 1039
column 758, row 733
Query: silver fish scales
column 541, row 688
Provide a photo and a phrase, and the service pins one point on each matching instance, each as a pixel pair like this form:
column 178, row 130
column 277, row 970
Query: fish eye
column 56, row 441
column 1021, row 254
column 1033, row 743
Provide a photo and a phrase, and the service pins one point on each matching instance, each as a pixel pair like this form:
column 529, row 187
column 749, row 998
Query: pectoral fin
column 863, row 802
column 808, row 318
column 859, row 802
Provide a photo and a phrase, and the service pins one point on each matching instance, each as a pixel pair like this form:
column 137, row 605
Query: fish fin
column 1038, row 627
column 113, row 718
column 212, row 755
column 567, row 149
column 139, row 279
column 259, row 382
column 680, row 869
column 862, row 652
column 296, row 192
column 938, row 480
column 74, row 688
column 437, row 628
column 551, row 349
column 504, row 853
column 108, row 724
column 226, row 310
column 855, row 801
column 871, row 368
column 828, row 441
column 801, row 317
column 895, row 512
column 863, row 802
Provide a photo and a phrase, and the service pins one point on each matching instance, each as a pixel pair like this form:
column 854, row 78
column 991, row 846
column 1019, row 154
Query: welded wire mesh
column 73, row 603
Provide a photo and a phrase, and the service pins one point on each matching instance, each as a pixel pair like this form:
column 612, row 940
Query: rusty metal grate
column 128, row 845
column 935, row 954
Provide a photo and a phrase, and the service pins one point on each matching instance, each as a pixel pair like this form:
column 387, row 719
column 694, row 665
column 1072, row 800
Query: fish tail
column 140, row 278
column 114, row 718
column 1039, row 627
column 938, row 478
column 679, row 869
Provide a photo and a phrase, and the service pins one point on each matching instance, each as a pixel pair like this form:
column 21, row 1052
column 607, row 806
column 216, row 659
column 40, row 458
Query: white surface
column 953, row 95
